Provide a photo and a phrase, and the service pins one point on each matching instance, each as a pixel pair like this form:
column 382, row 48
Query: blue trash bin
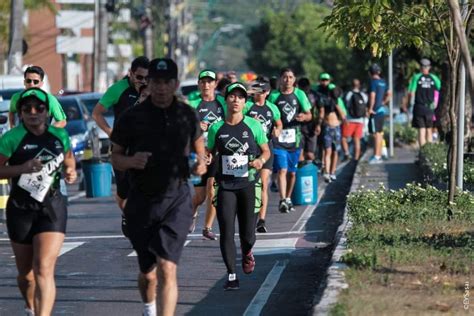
column 306, row 186
column 98, row 178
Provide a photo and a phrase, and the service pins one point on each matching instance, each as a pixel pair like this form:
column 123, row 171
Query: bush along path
column 406, row 253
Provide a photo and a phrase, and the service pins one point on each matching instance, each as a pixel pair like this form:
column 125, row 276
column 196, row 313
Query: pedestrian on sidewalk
column 424, row 90
column 379, row 95
column 33, row 155
column 243, row 150
column 356, row 103
column 153, row 141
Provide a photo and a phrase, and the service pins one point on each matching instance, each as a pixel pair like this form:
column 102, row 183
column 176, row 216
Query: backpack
column 357, row 107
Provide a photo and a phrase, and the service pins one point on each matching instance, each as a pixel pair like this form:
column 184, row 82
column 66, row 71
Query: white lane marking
column 260, row 299
column 134, row 254
column 285, row 233
column 67, row 246
column 274, row 246
column 77, row 196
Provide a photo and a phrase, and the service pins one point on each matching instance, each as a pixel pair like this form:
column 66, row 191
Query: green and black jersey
column 237, row 145
column 121, row 96
column 20, row 145
column 424, row 87
column 266, row 114
column 209, row 111
column 55, row 109
column 290, row 105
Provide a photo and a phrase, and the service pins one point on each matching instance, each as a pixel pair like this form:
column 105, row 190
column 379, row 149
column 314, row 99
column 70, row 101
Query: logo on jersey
column 51, row 162
column 233, row 145
column 289, row 111
column 223, row 136
column 57, row 144
column 245, row 134
column 45, row 155
column 211, row 117
column 30, row 146
column 425, row 83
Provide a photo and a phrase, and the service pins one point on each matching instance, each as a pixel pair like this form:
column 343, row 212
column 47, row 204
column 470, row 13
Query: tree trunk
column 452, row 151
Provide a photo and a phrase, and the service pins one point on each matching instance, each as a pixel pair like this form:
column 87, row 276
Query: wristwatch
column 263, row 160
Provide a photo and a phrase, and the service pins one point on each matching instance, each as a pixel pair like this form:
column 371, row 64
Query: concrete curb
column 335, row 279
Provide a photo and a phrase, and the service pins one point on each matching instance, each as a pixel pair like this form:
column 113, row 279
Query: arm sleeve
column 211, row 136
column 257, row 130
column 62, row 135
column 55, row 109
column 10, row 141
column 275, row 111
column 303, row 99
column 6, row 148
column 437, row 82
column 112, row 95
column 14, row 101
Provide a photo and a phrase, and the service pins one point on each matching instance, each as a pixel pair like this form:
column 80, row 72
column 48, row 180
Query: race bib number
column 235, row 165
column 37, row 183
column 287, row 136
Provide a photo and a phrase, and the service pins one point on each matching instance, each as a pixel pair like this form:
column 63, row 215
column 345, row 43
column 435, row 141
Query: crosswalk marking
column 273, row 246
column 134, row 254
column 67, row 246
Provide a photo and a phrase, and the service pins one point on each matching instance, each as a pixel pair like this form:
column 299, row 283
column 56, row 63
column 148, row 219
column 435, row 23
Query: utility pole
column 147, row 25
column 15, row 55
column 101, row 81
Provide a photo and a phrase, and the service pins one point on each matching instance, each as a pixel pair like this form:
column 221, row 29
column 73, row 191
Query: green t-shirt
column 55, row 109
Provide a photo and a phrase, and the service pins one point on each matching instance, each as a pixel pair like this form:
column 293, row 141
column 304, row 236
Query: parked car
column 81, row 127
column 6, row 94
column 90, row 100
column 4, row 109
column 187, row 86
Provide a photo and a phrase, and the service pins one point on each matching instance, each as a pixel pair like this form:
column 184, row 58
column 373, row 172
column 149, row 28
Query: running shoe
column 283, row 207
column 333, row 177
column 327, row 177
column 207, row 233
column 192, row 228
column 29, row 312
column 248, row 263
column 291, row 207
column 375, row 160
column 261, row 228
column 232, row 283
column 124, row 226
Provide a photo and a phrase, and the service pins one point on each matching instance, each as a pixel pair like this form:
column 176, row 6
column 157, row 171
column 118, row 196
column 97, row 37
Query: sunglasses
column 38, row 108
column 35, row 81
column 140, row 77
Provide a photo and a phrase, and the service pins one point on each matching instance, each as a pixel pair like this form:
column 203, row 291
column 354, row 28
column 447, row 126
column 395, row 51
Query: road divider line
column 77, row 196
column 260, row 299
column 66, row 247
column 274, row 246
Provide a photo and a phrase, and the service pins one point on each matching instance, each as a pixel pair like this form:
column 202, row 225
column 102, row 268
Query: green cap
column 207, row 73
column 35, row 92
column 324, row 76
column 236, row 85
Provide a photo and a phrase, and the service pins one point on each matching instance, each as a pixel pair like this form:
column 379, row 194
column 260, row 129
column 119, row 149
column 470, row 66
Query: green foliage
column 383, row 25
column 433, row 157
column 294, row 40
column 404, row 133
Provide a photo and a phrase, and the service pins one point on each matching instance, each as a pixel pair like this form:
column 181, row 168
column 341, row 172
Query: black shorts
column 122, row 182
column 158, row 226
column 269, row 163
column 376, row 123
column 211, row 173
column 25, row 219
column 422, row 121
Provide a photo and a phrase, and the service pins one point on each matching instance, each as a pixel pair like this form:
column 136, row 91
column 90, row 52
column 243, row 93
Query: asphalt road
column 96, row 272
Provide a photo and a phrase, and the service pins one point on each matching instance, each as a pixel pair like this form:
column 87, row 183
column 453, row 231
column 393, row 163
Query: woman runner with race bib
column 36, row 154
column 243, row 149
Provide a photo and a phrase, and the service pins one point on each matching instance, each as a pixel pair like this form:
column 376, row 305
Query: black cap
column 375, row 69
column 261, row 84
column 163, row 68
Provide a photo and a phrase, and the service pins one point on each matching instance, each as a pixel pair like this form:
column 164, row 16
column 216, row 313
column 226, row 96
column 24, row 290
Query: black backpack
column 357, row 107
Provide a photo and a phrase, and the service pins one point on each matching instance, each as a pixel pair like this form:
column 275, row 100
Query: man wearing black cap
column 211, row 109
column 153, row 141
column 379, row 95
column 424, row 87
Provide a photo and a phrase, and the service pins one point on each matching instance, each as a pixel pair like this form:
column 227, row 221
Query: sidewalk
column 395, row 173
